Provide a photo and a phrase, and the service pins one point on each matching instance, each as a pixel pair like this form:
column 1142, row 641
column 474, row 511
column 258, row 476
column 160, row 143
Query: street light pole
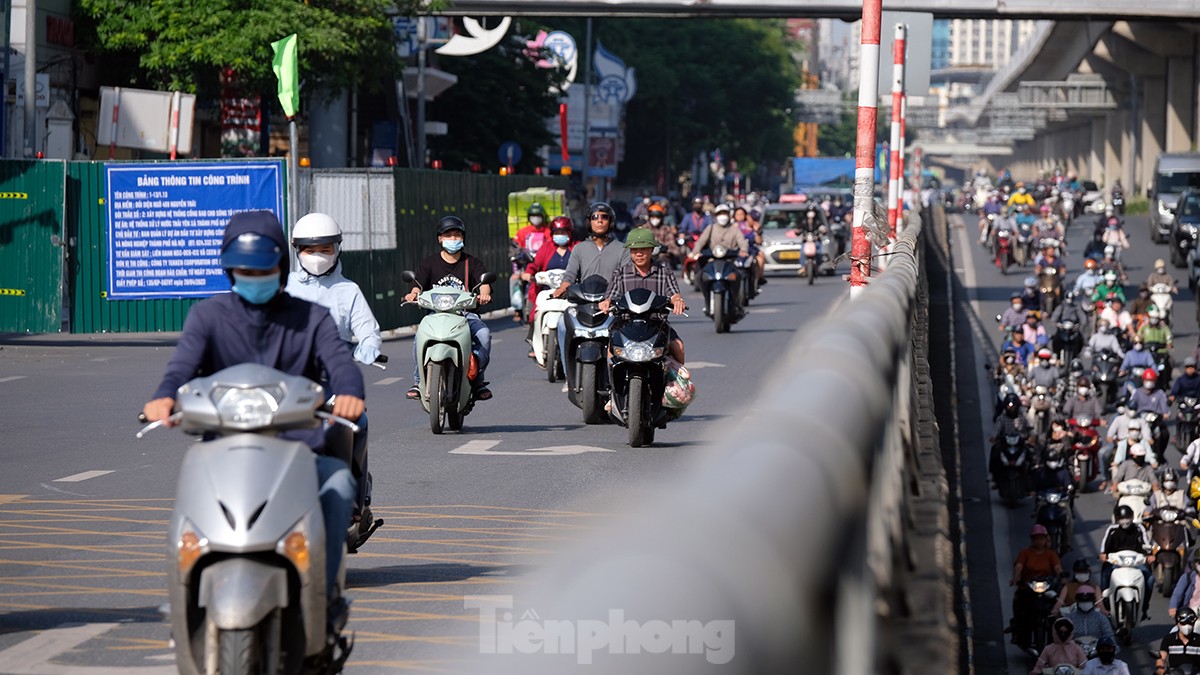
column 864, row 154
column 420, row 131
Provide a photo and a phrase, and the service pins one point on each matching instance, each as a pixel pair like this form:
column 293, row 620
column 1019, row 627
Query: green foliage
column 838, row 140
column 702, row 84
column 1138, row 206
column 184, row 44
column 500, row 96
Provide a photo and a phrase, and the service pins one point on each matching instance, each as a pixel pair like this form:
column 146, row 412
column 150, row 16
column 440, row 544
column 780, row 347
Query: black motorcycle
column 720, row 281
column 749, row 278
column 641, row 340
column 1067, row 341
column 1054, row 512
column 1158, row 433
column 1013, row 477
column 587, row 330
column 1187, row 425
column 1118, row 202
column 1168, row 533
column 1105, row 366
column 1032, row 626
column 1162, row 363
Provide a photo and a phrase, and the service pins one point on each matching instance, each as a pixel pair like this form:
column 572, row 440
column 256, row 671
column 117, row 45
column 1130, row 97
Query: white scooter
column 1134, row 493
column 545, row 324
column 1161, row 296
column 1126, row 588
column 246, row 542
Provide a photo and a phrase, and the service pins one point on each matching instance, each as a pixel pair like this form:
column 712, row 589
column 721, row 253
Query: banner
column 165, row 223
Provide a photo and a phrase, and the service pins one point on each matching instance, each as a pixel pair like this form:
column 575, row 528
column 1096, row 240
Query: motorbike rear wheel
column 435, row 384
column 635, row 417
column 550, row 352
column 238, row 652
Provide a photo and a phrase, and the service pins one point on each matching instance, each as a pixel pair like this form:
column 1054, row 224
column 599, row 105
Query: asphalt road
column 997, row 534
column 84, row 506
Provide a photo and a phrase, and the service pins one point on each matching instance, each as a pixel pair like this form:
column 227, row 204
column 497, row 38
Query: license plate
column 810, row 249
column 789, row 255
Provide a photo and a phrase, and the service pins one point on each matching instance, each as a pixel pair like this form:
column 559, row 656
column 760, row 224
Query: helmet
column 640, row 238
column 1189, row 362
column 1039, row 530
column 1150, row 375
column 253, row 240
column 535, row 209
column 1136, row 450
column 1106, row 643
column 656, row 210
column 1122, row 511
column 725, row 207
column 1090, row 264
column 562, row 224
column 1160, row 263
column 1081, row 565
column 1016, row 295
column 601, row 207
column 1045, row 354
column 1186, row 615
column 448, row 223
column 1030, row 282
column 1110, row 276
column 316, row 229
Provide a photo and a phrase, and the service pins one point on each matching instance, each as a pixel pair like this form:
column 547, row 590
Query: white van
column 1172, row 173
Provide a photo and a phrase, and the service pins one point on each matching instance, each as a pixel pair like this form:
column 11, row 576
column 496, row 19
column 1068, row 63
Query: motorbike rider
column 1017, row 344
column 1021, row 197
column 1156, row 330
column 665, row 234
column 1179, row 648
column 1109, row 288
column 1043, row 373
column 1115, row 236
column 1110, row 261
column 642, row 272
column 641, row 212
column 695, row 222
column 1104, row 339
column 452, row 267
column 1123, row 451
column 1062, row 649
column 528, row 242
column 1160, row 276
column 1034, row 331
column 1140, row 306
column 752, row 231
column 1135, row 467
column 1049, row 258
column 553, row 257
column 1010, row 422
column 1186, row 385
column 1137, row 357
column 1187, row 590
column 1084, row 404
column 1081, row 576
column 1149, row 398
column 1037, row 560
column 1090, row 278
column 1126, row 535
column 317, row 239
column 992, row 207
column 229, row 329
column 1106, row 661
column 1070, row 310
column 721, row 233
column 1014, row 316
column 1169, row 494
column 1116, row 316
column 1030, row 296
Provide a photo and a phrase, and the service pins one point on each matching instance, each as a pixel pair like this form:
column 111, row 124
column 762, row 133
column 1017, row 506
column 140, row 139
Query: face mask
column 452, row 245
column 256, row 290
column 1139, row 461
column 1017, row 306
column 645, row 200
column 1083, row 391
column 1138, row 347
column 722, row 220
column 698, row 209
column 1160, row 270
column 1154, row 321
column 1169, row 486
column 1130, row 413
column 535, row 220
column 1185, row 628
column 655, row 221
column 562, row 239
column 1148, row 385
column 1126, row 522
column 1106, row 658
column 1085, row 606
column 1082, row 577
column 317, row 264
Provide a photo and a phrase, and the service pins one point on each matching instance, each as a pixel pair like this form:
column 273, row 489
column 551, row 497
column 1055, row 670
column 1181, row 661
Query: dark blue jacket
column 1183, row 590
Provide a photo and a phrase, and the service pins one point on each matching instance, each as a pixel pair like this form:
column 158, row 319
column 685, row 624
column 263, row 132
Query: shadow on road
column 431, row 572
column 23, row 621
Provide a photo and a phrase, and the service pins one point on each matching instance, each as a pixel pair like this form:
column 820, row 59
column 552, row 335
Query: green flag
column 285, row 65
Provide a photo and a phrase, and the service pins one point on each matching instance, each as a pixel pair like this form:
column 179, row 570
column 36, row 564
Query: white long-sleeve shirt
column 347, row 305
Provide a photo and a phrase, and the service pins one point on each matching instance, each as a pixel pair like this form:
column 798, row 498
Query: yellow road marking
column 11, row 499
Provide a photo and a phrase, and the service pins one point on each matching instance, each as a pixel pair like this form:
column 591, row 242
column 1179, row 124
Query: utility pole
column 30, row 141
column 864, row 154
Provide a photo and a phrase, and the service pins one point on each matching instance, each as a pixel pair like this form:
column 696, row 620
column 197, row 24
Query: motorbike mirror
column 998, row 318
column 408, row 277
column 487, row 278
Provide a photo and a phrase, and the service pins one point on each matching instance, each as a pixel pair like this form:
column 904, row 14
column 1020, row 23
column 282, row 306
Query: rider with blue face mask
column 453, row 267
column 259, row 323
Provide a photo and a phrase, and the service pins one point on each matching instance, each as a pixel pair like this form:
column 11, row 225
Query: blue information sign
column 165, row 223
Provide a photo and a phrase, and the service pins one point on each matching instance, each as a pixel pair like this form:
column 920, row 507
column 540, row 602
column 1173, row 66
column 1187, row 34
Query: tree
column 703, row 84
column 500, row 96
column 184, row 44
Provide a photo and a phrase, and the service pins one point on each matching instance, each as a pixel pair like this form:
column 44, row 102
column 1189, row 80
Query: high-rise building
column 940, row 53
column 986, row 43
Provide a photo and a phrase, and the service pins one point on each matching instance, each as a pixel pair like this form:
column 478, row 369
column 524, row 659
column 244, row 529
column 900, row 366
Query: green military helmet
column 640, row 238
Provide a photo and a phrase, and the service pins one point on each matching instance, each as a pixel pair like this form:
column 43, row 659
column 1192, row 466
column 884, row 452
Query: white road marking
column 483, row 447
column 32, row 656
column 102, row 359
column 389, row 380
column 82, row 476
column 767, row 310
column 12, row 378
column 697, row 365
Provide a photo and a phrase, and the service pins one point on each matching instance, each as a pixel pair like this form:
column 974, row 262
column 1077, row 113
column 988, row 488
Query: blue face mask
column 452, row 245
column 562, row 239
column 256, row 290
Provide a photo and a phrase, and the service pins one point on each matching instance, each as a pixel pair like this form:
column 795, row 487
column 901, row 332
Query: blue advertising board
column 165, row 223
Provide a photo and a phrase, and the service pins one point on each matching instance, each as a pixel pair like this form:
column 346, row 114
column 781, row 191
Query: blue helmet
column 253, row 241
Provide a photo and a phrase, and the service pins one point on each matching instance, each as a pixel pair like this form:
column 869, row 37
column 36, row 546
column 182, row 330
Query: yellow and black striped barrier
column 14, row 195
column 11, row 291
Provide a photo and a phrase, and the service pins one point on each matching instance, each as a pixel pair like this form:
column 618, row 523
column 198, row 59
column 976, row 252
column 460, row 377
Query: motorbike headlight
column 637, row 351
column 719, row 251
column 1039, row 586
column 443, row 302
column 189, row 547
column 1168, row 515
column 252, row 407
column 555, row 277
column 1054, row 497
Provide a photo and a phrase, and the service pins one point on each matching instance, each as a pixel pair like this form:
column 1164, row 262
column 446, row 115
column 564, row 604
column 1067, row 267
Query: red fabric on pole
column 562, row 126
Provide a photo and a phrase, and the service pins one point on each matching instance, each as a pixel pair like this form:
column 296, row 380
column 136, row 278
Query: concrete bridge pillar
column 1180, row 102
column 1096, row 132
column 1115, row 125
column 1153, row 126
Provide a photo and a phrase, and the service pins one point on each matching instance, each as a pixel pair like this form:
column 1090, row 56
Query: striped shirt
column 660, row 280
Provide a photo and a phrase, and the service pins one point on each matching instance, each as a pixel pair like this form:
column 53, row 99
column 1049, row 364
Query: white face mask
column 1085, row 606
column 1083, row 391
column 317, row 264
column 655, row 221
column 722, row 220
column 1148, row 385
column 1082, row 577
column 535, row 220
column 1185, row 629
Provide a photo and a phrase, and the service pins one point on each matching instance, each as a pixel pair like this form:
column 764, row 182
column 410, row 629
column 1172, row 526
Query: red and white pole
column 895, row 178
column 112, row 141
column 864, row 154
column 174, row 134
column 900, row 160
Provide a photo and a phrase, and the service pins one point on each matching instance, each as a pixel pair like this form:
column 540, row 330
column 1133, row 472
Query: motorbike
column 748, row 274
column 1162, row 363
column 1105, row 365
column 691, row 266
column 640, row 342
column 1187, row 426
column 720, row 281
column 1162, row 297
column 1068, row 341
column 1118, row 202
column 519, row 288
column 246, row 540
column 1042, row 404
column 1004, row 250
column 1158, row 434
column 1133, row 380
column 587, row 330
column 1053, row 510
column 1168, row 533
column 1050, row 288
column 1043, row 595
column 1126, row 588
column 444, row 350
column 1134, row 493
column 1023, row 251
column 1085, row 449
column 549, row 313
column 1013, row 478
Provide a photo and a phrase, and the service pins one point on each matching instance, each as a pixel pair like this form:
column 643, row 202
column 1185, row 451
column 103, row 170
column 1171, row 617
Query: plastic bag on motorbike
column 1194, row 488
column 680, row 390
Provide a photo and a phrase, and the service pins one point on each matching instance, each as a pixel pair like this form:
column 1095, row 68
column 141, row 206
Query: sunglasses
column 601, row 216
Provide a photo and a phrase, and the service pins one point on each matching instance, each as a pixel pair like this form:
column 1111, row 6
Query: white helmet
column 317, row 229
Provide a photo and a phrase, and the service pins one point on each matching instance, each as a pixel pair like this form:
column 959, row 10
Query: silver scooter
column 246, row 543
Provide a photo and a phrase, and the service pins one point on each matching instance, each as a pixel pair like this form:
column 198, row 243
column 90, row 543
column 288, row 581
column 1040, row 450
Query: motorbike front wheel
column 550, row 352
column 635, row 418
column 1129, row 620
column 810, row 270
column 435, row 384
column 718, row 312
column 590, row 401
column 1167, row 578
column 238, row 652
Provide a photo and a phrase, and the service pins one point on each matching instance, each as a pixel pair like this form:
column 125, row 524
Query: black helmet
column 1185, row 615
column 1081, row 565
column 1106, row 645
column 449, row 223
column 601, row 208
column 535, row 209
column 1122, row 511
